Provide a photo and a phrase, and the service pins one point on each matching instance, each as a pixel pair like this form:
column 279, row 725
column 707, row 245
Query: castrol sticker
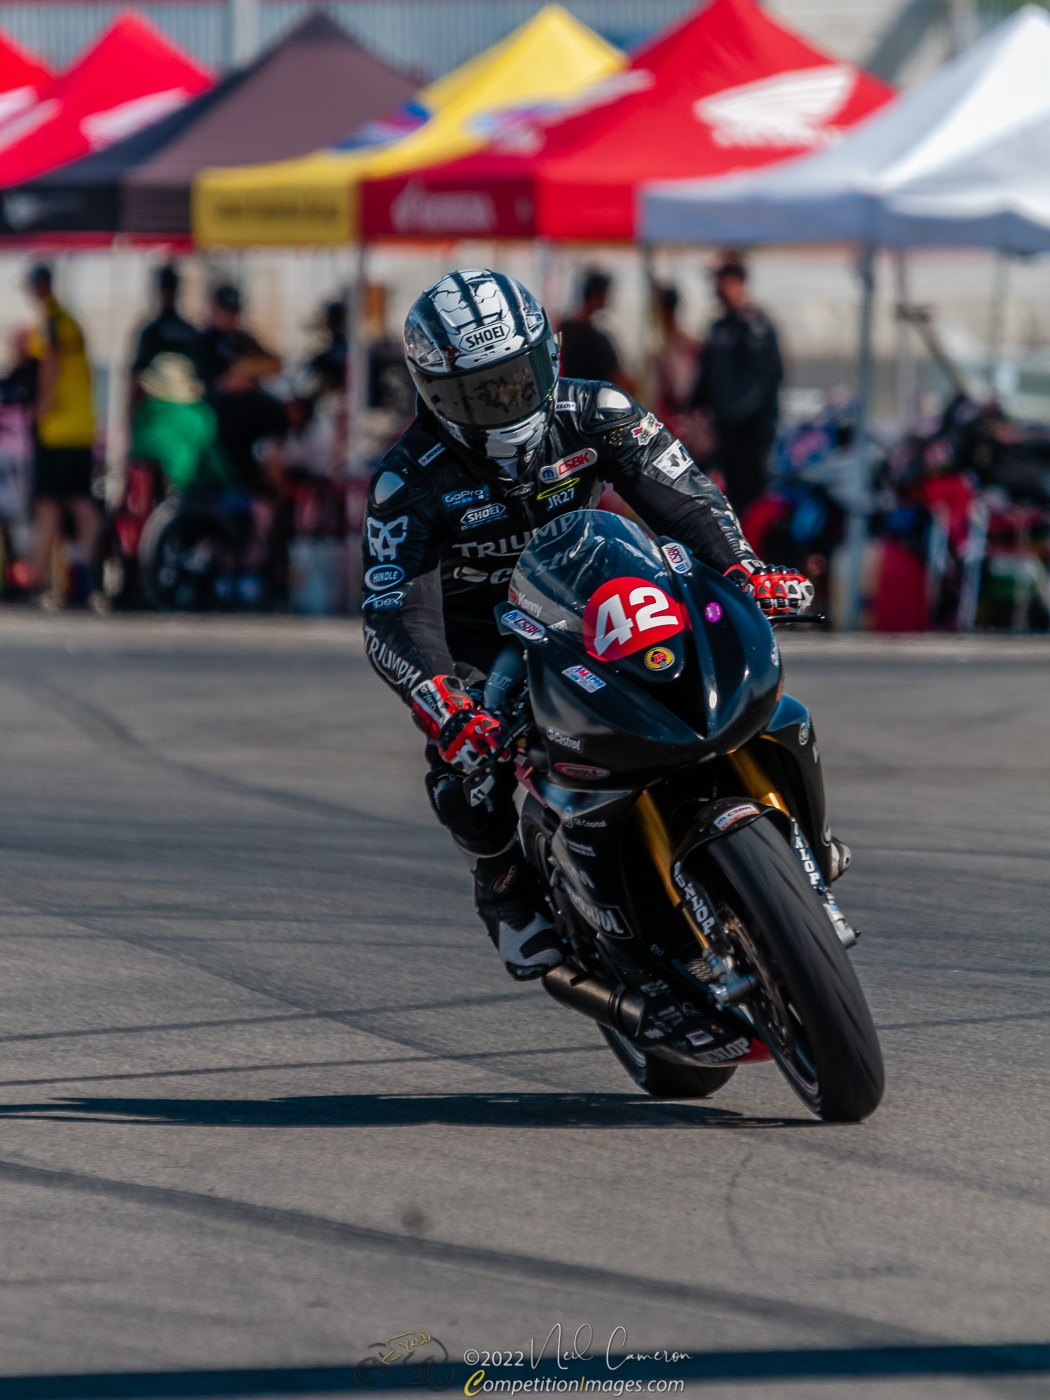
column 627, row 614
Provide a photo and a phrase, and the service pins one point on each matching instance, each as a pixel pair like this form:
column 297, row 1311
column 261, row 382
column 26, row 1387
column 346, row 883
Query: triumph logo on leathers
column 486, row 549
column 391, row 667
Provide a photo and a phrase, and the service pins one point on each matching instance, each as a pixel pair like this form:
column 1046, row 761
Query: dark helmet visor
column 493, row 396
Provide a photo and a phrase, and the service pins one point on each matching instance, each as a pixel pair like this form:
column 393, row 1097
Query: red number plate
column 627, row 614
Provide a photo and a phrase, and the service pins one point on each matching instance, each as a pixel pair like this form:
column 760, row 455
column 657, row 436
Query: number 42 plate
column 626, row 614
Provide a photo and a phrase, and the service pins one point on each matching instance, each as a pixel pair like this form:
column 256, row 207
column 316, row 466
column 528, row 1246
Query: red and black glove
column 464, row 733
column 776, row 590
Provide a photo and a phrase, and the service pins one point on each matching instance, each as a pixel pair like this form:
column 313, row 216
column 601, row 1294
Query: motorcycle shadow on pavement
column 498, row 1110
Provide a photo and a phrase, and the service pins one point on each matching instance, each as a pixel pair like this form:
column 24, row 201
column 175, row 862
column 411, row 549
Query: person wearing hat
column 64, row 432
column 228, row 356
column 175, row 428
column 169, row 331
column 739, row 385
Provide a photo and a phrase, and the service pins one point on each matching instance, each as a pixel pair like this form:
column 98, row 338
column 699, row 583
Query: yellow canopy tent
column 312, row 200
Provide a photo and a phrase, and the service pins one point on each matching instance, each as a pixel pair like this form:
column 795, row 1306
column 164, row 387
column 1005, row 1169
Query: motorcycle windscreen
column 598, row 577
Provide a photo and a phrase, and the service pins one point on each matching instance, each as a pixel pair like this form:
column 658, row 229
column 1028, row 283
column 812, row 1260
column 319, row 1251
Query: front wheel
column 808, row 1005
column 661, row 1078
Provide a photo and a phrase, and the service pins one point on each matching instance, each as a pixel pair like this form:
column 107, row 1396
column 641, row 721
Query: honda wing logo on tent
column 791, row 109
column 101, row 129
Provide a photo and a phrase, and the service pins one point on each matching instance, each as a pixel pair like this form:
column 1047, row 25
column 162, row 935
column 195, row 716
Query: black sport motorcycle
column 673, row 810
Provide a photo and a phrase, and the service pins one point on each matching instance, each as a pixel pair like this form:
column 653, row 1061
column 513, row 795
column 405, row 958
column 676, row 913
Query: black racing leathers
column 443, row 533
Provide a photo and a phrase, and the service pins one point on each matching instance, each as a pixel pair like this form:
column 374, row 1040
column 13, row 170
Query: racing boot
column 507, row 899
column 841, row 856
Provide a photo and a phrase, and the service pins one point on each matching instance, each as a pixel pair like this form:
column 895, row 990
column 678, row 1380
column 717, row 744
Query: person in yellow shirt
column 64, row 431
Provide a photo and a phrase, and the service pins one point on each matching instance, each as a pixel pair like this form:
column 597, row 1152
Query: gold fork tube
column 658, row 844
column 756, row 780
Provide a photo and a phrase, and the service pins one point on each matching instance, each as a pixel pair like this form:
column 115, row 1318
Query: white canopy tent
column 962, row 160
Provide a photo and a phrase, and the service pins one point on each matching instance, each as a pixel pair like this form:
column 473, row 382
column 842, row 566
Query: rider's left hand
column 776, row 590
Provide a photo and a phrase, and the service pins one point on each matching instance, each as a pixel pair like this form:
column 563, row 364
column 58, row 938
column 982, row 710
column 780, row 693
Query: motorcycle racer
column 500, row 445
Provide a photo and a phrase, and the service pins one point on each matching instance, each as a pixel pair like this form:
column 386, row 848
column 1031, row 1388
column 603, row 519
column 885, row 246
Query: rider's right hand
column 468, row 738
column 446, row 713
column 434, row 702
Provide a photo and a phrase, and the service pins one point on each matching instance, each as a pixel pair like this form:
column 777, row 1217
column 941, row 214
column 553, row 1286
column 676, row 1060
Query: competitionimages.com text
column 478, row 1385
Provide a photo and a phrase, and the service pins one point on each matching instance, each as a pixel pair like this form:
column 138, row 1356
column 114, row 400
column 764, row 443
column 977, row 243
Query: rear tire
column 810, row 1008
column 662, row 1079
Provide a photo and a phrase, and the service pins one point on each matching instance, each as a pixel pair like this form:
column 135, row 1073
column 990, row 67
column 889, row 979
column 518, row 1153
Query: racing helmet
column 483, row 357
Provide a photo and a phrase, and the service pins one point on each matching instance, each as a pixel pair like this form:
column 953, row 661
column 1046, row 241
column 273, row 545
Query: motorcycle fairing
column 718, row 690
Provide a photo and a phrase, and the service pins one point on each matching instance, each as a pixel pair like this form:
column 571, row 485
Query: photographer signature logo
column 409, row 1359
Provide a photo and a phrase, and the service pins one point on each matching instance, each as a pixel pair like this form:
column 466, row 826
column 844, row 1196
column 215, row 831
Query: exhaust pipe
column 613, row 1007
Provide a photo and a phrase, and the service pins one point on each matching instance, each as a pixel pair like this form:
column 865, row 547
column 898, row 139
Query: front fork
column 723, row 981
column 758, row 785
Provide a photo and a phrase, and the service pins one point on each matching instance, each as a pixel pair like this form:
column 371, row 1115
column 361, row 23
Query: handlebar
column 817, row 619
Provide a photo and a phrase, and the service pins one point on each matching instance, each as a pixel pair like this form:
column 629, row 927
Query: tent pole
column 545, row 274
column 857, row 521
column 905, row 357
column 356, row 365
column 116, row 386
column 650, row 349
column 996, row 316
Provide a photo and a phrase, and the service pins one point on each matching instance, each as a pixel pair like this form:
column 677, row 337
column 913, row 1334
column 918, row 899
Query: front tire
column 808, row 1006
column 662, row 1079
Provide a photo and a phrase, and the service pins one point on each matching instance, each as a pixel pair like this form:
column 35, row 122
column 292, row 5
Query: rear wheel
column 808, row 1005
column 661, row 1078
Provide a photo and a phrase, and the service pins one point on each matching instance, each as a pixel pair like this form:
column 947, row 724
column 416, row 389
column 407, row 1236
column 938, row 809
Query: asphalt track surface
column 268, row 1097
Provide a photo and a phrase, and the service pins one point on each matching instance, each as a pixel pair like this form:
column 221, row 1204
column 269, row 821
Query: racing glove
column 446, row 713
column 775, row 589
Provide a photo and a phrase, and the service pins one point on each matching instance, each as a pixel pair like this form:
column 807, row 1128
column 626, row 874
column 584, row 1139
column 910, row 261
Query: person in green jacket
column 176, row 429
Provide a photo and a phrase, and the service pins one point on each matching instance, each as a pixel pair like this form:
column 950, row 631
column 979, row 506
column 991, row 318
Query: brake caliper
column 714, row 966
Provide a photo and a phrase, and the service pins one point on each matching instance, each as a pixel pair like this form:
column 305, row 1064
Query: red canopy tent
column 24, row 80
column 131, row 76
column 725, row 89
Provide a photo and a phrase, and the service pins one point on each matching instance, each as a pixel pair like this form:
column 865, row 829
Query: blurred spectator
column 586, row 351
column 252, row 428
column 390, row 387
column 329, row 364
column 675, row 371
column 64, row 433
column 252, row 423
column 18, row 386
column 228, row 356
column 740, row 374
column 168, row 332
column 174, row 428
